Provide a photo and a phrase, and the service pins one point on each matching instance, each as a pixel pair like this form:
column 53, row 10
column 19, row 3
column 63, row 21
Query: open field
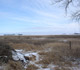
column 59, row 52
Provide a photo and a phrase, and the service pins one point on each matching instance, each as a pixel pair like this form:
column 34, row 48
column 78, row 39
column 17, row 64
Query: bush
column 5, row 52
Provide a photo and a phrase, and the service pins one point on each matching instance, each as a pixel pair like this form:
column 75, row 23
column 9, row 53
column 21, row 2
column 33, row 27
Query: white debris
column 21, row 57
column 14, row 55
column 18, row 56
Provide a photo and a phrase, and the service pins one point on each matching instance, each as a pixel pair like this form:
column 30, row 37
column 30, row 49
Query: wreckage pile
column 8, row 53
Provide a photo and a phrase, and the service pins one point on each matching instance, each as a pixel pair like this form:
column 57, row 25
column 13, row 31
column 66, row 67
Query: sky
column 34, row 17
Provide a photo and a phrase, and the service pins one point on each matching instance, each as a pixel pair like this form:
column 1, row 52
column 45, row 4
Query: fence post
column 70, row 44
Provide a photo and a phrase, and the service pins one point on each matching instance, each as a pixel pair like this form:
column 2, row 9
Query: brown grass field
column 60, row 50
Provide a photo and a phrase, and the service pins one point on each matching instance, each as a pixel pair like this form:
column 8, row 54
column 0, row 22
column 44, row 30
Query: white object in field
column 18, row 56
column 15, row 56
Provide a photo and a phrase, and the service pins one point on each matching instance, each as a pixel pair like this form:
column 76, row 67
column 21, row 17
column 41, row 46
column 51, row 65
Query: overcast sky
column 34, row 17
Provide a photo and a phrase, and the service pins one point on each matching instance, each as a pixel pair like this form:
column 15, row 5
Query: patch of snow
column 30, row 54
column 39, row 38
column 65, row 40
column 19, row 55
column 45, row 69
column 19, row 50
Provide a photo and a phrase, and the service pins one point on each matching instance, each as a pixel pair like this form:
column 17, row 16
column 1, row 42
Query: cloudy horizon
column 37, row 17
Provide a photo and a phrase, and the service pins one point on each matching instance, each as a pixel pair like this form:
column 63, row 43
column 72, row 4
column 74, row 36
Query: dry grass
column 60, row 55
column 32, row 67
column 26, row 46
column 12, row 65
column 52, row 51
column 61, row 68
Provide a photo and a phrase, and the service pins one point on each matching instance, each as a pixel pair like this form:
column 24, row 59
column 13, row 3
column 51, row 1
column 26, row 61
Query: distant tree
column 70, row 4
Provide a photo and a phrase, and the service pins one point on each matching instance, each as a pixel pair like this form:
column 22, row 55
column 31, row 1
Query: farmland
column 49, row 52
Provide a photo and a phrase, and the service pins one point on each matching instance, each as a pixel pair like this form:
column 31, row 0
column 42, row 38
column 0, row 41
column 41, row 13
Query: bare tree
column 72, row 4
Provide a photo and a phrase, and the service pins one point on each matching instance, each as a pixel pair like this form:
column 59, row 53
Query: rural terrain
column 49, row 52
